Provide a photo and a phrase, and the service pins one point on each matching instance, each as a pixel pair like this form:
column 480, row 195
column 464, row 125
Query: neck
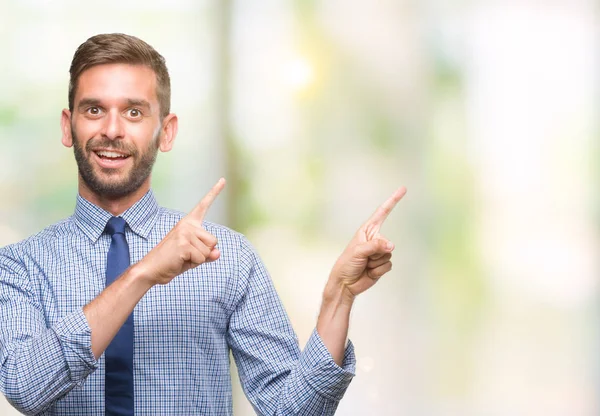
column 115, row 205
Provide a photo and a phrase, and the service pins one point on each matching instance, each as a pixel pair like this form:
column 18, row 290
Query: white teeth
column 110, row 154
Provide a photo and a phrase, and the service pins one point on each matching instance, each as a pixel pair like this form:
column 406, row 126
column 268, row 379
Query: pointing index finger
column 201, row 209
column 384, row 210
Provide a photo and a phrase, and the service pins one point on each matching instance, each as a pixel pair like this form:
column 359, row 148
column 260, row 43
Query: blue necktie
column 119, row 354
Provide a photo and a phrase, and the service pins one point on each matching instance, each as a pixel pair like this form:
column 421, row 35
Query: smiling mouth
column 110, row 155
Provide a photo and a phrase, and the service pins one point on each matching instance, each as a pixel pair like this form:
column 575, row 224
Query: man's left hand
column 367, row 257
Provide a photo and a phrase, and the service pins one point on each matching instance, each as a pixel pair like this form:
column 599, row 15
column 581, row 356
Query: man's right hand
column 187, row 245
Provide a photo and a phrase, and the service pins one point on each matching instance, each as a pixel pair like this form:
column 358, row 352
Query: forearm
column 334, row 320
column 359, row 267
column 109, row 310
column 47, row 364
column 278, row 378
column 306, row 383
column 309, row 390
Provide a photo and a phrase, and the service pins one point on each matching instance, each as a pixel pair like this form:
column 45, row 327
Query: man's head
column 117, row 48
column 118, row 116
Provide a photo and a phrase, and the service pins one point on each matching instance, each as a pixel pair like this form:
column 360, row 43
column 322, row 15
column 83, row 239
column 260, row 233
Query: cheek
column 85, row 130
column 142, row 134
column 139, row 129
column 155, row 128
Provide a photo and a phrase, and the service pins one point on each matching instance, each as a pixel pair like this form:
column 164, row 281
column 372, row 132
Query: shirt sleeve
column 276, row 377
column 38, row 365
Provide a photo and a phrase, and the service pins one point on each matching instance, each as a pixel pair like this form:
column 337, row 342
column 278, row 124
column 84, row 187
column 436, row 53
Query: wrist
column 140, row 277
column 337, row 294
column 334, row 319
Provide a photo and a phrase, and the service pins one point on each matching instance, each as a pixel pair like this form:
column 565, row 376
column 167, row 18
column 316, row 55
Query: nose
column 113, row 126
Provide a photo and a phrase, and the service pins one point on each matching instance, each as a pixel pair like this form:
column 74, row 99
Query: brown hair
column 117, row 48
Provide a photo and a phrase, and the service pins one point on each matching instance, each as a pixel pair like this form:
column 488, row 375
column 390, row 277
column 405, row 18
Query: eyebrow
column 138, row 103
column 87, row 102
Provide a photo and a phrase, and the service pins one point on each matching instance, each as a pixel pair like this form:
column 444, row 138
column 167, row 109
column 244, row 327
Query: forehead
column 117, row 82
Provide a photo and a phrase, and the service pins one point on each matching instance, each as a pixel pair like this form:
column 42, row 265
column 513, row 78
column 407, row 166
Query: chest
column 192, row 306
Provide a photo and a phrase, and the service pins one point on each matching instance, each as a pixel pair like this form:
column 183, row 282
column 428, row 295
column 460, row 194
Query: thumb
column 372, row 247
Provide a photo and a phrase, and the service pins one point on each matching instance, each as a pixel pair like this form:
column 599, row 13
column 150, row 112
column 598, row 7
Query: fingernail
column 389, row 246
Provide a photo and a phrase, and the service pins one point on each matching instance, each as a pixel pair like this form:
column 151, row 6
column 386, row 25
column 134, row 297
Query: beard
column 115, row 186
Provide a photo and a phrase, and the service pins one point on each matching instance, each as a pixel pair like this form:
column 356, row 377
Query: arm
column 39, row 365
column 276, row 377
column 365, row 259
column 107, row 313
column 186, row 246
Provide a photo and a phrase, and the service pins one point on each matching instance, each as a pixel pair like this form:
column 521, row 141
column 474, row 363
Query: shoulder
column 224, row 233
column 47, row 236
column 170, row 217
column 12, row 256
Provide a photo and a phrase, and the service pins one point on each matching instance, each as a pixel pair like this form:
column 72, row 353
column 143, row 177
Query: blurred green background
column 315, row 111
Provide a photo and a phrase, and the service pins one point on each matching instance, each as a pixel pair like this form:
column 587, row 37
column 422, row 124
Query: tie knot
column 116, row 225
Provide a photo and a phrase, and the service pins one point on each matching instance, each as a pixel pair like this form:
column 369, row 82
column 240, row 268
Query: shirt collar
column 140, row 217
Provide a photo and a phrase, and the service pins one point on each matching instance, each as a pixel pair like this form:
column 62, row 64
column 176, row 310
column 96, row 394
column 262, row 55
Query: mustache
column 107, row 144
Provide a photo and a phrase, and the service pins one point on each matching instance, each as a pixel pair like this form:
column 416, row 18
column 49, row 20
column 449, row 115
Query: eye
column 134, row 113
column 94, row 111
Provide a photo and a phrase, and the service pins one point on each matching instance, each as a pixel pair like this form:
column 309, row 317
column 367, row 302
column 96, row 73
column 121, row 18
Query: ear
column 168, row 132
column 65, row 126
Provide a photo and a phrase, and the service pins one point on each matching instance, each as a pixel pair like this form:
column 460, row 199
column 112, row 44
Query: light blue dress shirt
column 184, row 330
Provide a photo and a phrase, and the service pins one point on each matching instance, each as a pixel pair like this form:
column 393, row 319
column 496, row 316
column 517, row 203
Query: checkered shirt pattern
column 184, row 331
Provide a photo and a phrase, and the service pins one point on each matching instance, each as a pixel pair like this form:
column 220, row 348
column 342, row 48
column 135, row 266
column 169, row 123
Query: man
column 129, row 307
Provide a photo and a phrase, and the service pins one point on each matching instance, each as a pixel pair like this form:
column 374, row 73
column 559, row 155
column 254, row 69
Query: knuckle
column 357, row 251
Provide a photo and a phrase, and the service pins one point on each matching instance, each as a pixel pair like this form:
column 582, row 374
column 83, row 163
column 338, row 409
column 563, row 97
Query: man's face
column 116, row 128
